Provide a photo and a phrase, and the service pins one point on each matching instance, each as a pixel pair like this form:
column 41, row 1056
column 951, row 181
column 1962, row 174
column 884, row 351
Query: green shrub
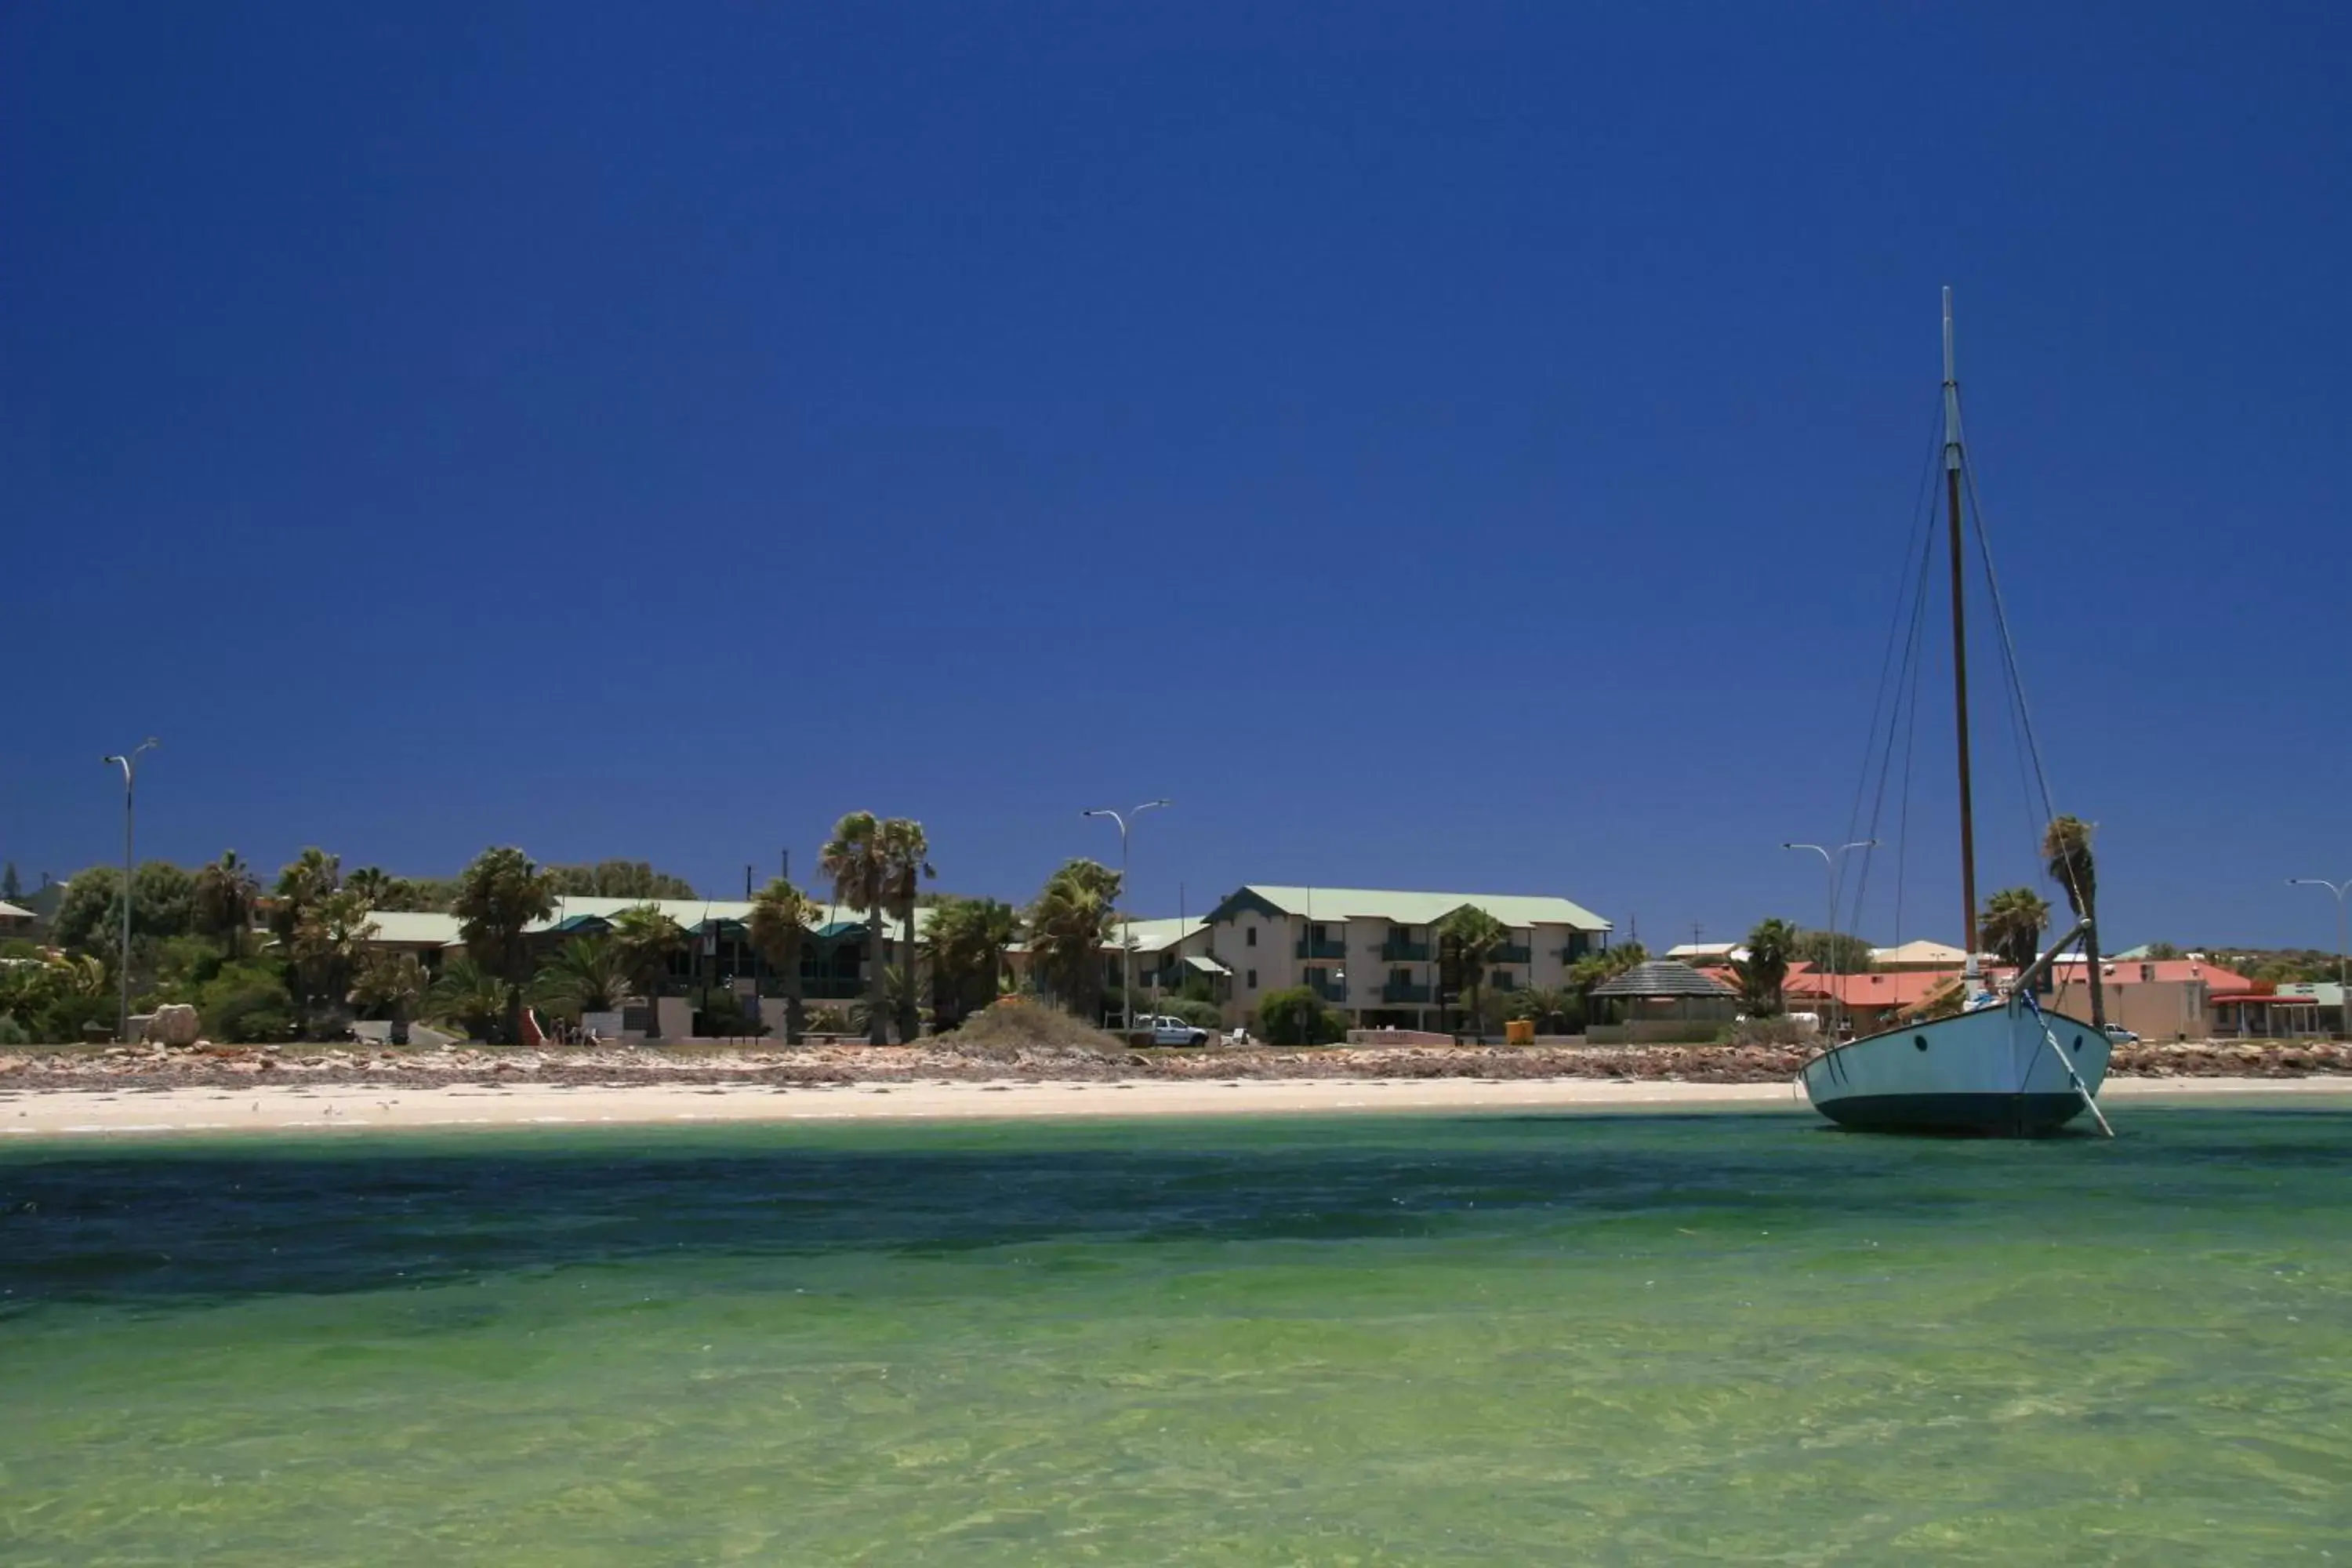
column 13, row 1033
column 246, row 1004
column 1299, row 1017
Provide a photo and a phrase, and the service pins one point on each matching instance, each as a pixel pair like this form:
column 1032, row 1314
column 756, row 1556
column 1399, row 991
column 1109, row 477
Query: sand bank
column 273, row 1108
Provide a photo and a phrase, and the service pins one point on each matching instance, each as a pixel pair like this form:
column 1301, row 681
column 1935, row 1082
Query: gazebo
column 1663, row 1002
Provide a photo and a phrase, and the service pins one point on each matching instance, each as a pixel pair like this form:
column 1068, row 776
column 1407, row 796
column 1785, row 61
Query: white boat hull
column 1991, row 1071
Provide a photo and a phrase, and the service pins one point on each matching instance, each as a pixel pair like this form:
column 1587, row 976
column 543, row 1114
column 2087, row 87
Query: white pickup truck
column 1166, row 1031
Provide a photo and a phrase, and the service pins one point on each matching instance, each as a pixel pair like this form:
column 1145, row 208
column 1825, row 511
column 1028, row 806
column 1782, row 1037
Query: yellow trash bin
column 1519, row 1032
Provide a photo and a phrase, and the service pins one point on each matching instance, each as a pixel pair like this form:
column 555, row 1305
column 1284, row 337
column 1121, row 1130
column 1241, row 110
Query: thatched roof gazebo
column 1663, row 1001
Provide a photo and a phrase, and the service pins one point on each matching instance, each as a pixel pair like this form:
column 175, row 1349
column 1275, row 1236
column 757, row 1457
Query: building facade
column 1376, row 954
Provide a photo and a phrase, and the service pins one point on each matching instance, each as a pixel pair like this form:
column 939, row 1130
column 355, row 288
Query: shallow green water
column 1500, row 1339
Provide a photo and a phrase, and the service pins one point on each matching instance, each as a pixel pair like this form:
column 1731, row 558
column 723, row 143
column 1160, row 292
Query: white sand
column 276, row 1109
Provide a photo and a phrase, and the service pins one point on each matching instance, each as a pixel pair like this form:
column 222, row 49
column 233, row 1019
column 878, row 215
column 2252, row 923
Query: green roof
column 1412, row 908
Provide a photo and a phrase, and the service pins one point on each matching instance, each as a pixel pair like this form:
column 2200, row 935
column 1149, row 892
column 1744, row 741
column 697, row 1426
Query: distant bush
column 1015, row 1024
column 245, row 1004
column 827, row 1021
column 1298, row 1017
column 1781, row 1031
column 12, row 1033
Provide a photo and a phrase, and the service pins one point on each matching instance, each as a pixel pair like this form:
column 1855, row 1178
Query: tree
column 907, row 851
column 2066, row 848
column 468, row 995
column 225, row 894
column 89, row 915
column 2011, row 925
column 648, row 938
column 585, row 974
column 396, row 981
column 500, row 896
column 619, row 880
column 1068, row 925
column 1833, row 951
column 1554, row 1012
column 779, row 923
column 2162, row 950
column 858, row 860
column 1469, row 937
column 1764, row 972
column 11, row 885
column 968, row 939
column 302, row 882
column 326, row 949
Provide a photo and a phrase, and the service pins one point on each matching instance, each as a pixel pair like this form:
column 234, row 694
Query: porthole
column 1920, row 1041
column 2078, row 1045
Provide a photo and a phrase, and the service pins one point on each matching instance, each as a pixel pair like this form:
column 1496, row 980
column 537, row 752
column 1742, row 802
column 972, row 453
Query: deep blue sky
column 1461, row 446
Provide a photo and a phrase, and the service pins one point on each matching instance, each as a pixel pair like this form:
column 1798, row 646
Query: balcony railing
column 1404, row 991
column 1330, row 990
column 1398, row 950
column 1307, row 947
column 1509, row 953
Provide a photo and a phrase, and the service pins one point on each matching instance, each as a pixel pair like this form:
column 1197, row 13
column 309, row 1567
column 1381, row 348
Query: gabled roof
column 1157, row 936
column 9, row 911
column 1705, row 952
column 1663, row 977
column 1410, row 909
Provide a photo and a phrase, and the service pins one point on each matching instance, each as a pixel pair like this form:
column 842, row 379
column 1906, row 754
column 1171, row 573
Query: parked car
column 1166, row 1031
column 2118, row 1035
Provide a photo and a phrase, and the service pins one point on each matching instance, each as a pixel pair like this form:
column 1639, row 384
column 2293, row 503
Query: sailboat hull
column 1991, row 1072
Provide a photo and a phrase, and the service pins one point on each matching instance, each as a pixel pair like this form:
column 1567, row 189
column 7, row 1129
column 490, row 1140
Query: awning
column 1205, row 965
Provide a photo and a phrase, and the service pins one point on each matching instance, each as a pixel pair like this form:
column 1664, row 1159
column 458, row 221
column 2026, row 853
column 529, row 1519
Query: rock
column 174, row 1024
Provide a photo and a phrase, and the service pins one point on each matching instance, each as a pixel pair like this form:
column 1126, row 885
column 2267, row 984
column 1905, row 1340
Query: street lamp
column 1126, row 918
column 1829, row 861
column 2343, row 1002
column 127, row 762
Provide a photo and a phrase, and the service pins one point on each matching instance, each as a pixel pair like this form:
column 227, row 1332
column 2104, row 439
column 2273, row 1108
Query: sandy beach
column 280, row 1108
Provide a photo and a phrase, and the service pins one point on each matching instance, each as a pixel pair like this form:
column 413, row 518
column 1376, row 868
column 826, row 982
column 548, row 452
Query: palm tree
column 968, row 939
column 647, row 938
column 2012, row 926
column 469, row 994
column 372, row 883
column 1068, row 925
column 326, row 948
column 1764, row 972
column 779, row 923
column 311, row 876
column 1472, row 935
column 2066, row 845
column 587, row 974
column 907, row 851
column 500, row 896
column 1551, row 1009
column 225, row 894
column 859, row 860
column 398, row 981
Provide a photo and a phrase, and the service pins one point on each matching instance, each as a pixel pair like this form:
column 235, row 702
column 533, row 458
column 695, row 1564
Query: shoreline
column 57, row 1114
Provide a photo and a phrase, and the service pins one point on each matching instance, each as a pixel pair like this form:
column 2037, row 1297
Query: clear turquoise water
column 1500, row 1338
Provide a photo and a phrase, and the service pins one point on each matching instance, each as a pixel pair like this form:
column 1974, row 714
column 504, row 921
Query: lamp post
column 127, row 762
column 1831, row 859
column 1126, row 919
column 2343, row 940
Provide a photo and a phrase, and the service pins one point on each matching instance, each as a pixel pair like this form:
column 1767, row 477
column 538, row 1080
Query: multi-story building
column 1377, row 954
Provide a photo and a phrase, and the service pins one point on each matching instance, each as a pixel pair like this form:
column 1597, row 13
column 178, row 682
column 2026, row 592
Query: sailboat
column 2001, row 1066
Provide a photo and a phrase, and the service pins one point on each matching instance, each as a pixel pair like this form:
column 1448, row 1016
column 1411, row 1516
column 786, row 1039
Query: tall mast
column 1960, row 636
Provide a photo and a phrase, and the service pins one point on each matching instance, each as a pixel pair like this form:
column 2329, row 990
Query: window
column 1252, row 980
column 1249, row 938
column 1319, row 932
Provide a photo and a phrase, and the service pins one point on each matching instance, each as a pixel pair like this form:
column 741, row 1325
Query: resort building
column 718, row 954
column 1376, row 955
column 16, row 922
